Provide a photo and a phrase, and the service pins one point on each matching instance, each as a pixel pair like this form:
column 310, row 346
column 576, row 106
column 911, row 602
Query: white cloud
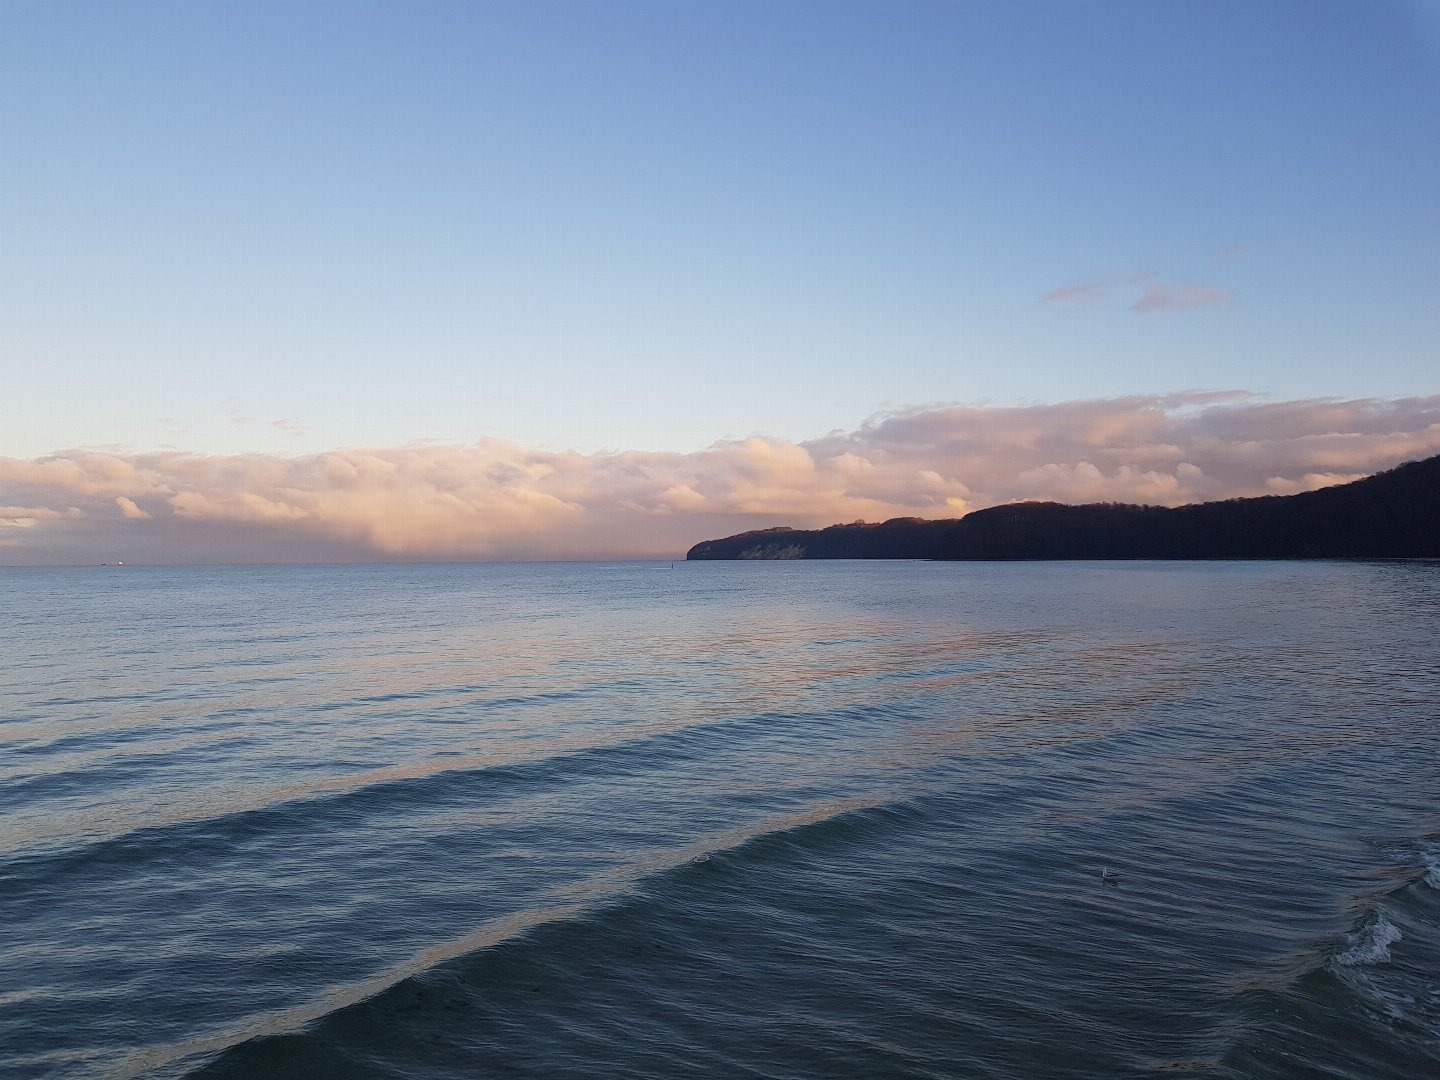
column 499, row 500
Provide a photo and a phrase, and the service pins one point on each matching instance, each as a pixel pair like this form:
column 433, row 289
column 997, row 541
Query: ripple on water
column 791, row 821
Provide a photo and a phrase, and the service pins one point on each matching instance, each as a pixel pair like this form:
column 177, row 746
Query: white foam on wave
column 1430, row 859
column 1370, row 944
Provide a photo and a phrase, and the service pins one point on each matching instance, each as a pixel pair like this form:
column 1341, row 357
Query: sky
column 311, row 280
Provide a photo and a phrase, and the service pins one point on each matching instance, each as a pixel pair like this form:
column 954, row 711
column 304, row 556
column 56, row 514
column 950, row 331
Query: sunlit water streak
column 727, row 820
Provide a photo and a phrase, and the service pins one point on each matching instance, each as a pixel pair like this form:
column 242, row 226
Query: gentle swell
column 205, row 829
column 531, row 940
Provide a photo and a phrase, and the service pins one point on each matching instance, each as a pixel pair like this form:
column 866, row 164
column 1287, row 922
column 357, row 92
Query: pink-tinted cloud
column 1281, row 485
column 500, row 500
column 1160, row 296
column 1081, row 295
column 26, row 517
column 129, row 509
column 1154, row 294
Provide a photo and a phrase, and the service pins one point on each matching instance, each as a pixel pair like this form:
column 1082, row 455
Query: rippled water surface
column 780, row 820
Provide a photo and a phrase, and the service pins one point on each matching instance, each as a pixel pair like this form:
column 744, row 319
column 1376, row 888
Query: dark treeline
column 1392, row 515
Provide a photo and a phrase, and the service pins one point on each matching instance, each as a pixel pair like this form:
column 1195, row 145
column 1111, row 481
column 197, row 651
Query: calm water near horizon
column 770, row 820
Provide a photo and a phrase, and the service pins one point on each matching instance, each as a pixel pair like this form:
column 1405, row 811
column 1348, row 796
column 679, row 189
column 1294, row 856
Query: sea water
column 780, row 820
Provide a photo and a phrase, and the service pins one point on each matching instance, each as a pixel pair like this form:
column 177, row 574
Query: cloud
column 1155, row 295
column 1158, row 296
column 1081, row 295
column 500, row 500
column 1281, row 485
column 129, row 509
column 27, row 517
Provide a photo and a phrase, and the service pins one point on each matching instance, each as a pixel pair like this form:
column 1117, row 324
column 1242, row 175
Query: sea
column 781, row 820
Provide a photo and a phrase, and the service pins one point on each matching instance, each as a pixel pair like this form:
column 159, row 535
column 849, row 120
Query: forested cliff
column 1394, row 515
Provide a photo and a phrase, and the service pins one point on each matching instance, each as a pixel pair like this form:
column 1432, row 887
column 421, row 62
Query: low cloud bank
column 499, row 500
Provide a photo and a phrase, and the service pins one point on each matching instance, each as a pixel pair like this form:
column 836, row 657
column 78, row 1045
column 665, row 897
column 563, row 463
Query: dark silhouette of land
column 1391, row 515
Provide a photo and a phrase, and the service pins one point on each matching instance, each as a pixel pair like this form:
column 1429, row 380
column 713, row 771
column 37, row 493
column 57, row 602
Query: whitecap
column 1430, row 859
column 1370, row 944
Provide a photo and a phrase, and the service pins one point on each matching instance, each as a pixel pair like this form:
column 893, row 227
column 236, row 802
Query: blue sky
column 291, row 227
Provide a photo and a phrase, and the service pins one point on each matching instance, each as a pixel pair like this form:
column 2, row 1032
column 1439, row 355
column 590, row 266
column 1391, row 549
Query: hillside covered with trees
column 1391, row 515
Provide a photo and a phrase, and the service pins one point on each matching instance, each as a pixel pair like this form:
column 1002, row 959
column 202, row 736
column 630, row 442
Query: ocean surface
column 769, row 820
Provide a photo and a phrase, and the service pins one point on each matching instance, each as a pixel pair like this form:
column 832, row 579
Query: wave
column 1365, row 1005
column 198, row 824
column 1429, row 852
column 1370, row 944
column 623, row 909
